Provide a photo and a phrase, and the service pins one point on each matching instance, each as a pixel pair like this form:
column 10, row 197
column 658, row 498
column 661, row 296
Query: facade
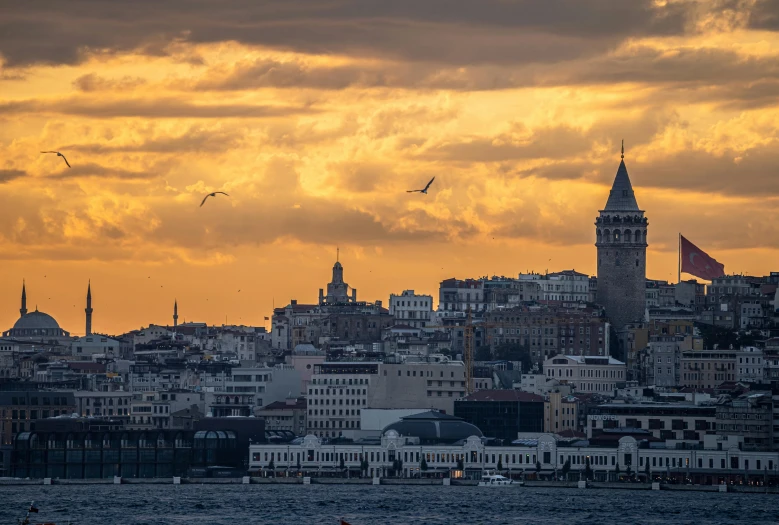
column 665, row 361
column 115, row 405
column 339, row 391
column 561, row 413
column 456, row 295
column 621, row 240
column 546, row 331
column 237, row 391
column 566, row 286
column 587, row 374
column 21, row 410
column 748, row 417
column 502, row 414
column 750, row 365
column 663, row 421
column 90, row 345
column 707, row 368
column 288, row 415
column 411, row 309
column 709, row 465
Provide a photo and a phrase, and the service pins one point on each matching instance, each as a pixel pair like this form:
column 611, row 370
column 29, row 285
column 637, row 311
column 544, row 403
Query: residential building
column 567, row 286
column 96, row 344
column 456, row 295
column 561, row 413
column 546, row 331
column 748, row 417
column 750, row 365
column 707, row 368
column 411, row 309
column 587, row 374
column 115, row 405
column 288, row 415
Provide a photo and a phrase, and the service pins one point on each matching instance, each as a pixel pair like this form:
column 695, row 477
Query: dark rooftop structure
column 434, row 427
column 503, row 414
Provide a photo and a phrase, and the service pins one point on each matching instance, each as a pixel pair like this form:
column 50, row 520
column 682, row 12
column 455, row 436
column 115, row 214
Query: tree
column 587, row 469
column 500, row 463
column 616, row 472
column 482, row 353
column 298, row 464
column 567, row 468
column 272, row 467
column 363, row 465
column 647, row 471
column 342, row 464
column 460, row 465
column 629, row 472
column 514, row 352
column 538, row 466
column 423, row 465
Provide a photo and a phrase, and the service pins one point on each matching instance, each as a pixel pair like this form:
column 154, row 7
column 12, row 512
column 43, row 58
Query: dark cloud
column 9, row 175
column 765, row 15
column 93, row 82
column 193, row 140
column 156, row 108
column 455, row 31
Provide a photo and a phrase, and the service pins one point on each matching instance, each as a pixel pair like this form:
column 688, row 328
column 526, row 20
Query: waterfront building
column 288, row 415
column 502, row 414
column 664, row 421
column 21, row 409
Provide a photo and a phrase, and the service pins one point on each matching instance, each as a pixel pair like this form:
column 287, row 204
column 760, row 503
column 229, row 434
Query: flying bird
column 211, row 195
column 59, row 155
column 423, row 190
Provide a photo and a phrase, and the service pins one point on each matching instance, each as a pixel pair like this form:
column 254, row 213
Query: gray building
column 621, row 240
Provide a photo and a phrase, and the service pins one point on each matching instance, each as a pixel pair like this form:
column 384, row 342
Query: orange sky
column 317, row 116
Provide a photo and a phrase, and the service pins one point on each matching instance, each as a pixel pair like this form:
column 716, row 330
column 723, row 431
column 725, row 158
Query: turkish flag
column 698, row 263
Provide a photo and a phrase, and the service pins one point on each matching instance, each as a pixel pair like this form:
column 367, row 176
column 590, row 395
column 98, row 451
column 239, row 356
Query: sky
column 316, row 116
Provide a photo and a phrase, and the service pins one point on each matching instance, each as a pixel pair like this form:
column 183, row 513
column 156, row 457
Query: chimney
column 294, row 302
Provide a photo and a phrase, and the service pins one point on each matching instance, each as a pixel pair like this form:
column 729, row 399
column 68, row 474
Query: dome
column 36, row 325
column 36, row 321
column 434, row 427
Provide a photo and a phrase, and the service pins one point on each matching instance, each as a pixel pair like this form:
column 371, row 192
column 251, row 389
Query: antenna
column 623, row 150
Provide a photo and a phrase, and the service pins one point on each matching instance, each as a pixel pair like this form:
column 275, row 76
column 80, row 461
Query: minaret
column 175, row 314
column 88, row 309
column 621, row 240
column 23, row 309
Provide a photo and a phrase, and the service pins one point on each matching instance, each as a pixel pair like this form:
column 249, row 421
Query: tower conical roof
column 621, row 196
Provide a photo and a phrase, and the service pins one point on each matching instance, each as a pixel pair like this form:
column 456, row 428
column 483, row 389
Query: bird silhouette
column 211, row 195
column 422, row 190
column 59, row 155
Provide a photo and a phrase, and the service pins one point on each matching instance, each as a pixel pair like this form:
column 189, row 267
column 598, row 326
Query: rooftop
column 503, row 395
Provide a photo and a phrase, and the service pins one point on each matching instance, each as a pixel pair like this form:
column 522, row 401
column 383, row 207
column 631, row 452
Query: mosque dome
column 36, row 325
column 434, row 427
column 36, row 321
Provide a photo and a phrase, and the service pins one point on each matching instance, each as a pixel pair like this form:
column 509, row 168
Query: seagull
column 424, row 190
column 211, row 195
column 59, row 155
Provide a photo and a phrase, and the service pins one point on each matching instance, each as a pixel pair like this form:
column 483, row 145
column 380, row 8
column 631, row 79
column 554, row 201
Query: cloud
column 453, row 31
column 147, row 108
column 9, row 175
column 194, row 139
column 87, row 170
column 92, row 82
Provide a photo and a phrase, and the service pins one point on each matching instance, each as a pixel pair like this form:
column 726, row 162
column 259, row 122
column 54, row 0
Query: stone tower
column 88, row 309
column 621, row 239
column 23, row 309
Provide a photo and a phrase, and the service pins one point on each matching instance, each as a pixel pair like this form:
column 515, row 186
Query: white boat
column 495, row 480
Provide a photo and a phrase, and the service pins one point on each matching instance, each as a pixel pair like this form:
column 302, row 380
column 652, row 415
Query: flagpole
column 679, row 259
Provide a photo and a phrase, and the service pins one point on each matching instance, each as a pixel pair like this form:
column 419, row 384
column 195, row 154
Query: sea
column 376, row 505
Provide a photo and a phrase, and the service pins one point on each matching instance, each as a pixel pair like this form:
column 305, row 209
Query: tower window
column 636, row 263
column 625, row 193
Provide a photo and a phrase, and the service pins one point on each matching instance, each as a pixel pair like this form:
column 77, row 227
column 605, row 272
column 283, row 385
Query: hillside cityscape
column 547, row 376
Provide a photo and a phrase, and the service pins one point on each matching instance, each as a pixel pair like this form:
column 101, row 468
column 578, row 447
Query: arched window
column 638, row 235
column 627, row 236
column 606, row 235
column 616, row 235
column 598, row 236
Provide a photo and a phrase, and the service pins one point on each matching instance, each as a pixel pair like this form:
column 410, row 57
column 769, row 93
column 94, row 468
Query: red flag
column 343, row 522
column 698, row 263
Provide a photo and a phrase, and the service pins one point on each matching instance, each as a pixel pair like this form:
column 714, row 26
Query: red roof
column 504, row 395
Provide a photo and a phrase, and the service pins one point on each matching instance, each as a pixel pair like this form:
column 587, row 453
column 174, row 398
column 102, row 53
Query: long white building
column 587, row 374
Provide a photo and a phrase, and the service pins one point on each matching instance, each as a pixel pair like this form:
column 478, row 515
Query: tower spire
column 23, row 309
column 337, row 254
column 175, row 314
column 88, row 309
column 623, row 150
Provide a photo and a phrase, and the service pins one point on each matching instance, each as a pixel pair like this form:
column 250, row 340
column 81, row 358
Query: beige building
column 561, row 412
column 707, row 368
column 587, row 374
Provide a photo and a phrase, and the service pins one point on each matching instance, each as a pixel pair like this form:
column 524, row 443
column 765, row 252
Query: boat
column 490, row 479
